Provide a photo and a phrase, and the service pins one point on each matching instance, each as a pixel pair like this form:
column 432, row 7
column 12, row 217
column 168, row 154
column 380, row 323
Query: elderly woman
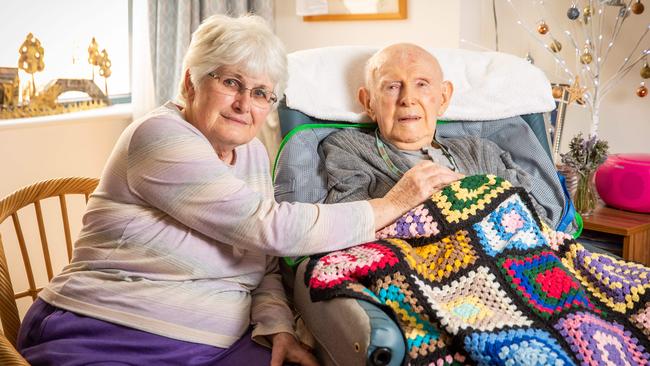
column 405, row 93
column 174, row 264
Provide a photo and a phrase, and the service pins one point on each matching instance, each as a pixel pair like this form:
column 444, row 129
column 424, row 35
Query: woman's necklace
column 383, row 152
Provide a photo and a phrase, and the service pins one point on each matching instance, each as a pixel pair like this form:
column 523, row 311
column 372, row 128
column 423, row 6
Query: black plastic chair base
column 380, row 357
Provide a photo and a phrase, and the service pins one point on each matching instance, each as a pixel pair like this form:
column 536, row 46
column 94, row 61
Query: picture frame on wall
column 361, row 10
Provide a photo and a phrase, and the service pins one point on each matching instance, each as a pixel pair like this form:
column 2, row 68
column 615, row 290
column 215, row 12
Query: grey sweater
column 356, row 171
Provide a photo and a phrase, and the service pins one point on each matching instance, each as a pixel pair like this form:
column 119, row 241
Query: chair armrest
column 8, row 354
column 349, row 331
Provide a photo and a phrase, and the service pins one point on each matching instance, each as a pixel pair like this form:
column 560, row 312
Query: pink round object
column 623, row 181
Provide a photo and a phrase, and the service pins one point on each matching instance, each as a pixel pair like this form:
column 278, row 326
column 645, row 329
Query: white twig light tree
column 591, row 43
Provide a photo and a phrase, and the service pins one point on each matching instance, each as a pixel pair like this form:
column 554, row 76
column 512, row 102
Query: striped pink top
column 177, row 243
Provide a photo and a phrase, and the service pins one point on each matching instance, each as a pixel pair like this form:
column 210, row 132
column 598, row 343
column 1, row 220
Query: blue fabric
column 53, row 336
column 569, row 211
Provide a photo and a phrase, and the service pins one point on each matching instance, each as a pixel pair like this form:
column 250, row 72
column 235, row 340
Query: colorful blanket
column 472, row 276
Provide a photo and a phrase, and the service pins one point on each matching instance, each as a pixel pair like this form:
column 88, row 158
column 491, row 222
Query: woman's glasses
column 230, row 85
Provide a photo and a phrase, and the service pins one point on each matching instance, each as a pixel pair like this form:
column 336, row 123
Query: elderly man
column 405, row 93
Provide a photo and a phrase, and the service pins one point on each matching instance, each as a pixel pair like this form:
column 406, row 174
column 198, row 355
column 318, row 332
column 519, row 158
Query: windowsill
column 113, row 112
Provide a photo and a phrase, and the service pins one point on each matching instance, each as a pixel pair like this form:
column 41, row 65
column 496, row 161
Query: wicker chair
column 9, row 206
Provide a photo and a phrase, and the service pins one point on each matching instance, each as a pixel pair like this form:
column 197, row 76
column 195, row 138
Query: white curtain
column 143, row 96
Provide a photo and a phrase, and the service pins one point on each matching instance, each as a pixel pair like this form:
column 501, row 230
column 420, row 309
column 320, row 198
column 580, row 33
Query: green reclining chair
column 350, row 331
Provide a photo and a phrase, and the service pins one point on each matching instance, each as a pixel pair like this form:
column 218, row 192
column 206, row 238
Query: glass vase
column 585, row 198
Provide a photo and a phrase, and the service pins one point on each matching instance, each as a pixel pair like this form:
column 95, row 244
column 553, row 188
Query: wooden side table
column 634, row 228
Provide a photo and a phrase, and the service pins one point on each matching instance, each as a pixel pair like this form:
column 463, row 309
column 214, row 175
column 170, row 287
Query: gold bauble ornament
column 542, row 28
column 645, row 71
column 555, row 46
column 586, row 14
column 637, row 7
column 557, row 91
column 642, row 91
column 586, row 57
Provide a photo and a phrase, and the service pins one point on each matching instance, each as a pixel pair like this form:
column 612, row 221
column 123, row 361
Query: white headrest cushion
column 323, row 83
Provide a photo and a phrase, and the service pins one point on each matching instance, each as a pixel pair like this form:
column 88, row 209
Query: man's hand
column 287, row 349
column 417, row 184
column 420, row 182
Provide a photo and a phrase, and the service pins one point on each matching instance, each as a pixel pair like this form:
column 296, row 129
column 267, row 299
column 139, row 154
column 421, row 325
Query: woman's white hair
column 245, row 42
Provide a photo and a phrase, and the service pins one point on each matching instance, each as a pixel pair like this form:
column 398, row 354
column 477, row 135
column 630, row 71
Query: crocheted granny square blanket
column 472, row 276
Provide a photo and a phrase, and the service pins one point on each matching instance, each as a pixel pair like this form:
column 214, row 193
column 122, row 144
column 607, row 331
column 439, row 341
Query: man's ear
column 364, row 98
column 447, row 90
column 189, row 86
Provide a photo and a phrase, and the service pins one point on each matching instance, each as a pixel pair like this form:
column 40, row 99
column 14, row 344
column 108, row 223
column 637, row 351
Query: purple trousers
column 52, row 336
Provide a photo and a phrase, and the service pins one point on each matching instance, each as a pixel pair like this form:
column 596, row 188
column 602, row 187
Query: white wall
column 40, row 148
column 625, row 118
column 429, row 22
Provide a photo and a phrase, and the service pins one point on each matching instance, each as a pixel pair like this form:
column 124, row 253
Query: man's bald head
column 400, row 53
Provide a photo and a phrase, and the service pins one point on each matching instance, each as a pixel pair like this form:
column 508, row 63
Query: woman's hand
column 287, row 349
column 417, row 184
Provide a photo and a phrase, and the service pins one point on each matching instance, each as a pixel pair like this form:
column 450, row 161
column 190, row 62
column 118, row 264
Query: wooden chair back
column 9, row 206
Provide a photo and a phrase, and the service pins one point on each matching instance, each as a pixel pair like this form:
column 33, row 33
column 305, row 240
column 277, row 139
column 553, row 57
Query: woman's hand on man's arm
column 417, row 184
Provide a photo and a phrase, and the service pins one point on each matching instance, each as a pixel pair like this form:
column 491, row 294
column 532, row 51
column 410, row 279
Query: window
column 65, row 30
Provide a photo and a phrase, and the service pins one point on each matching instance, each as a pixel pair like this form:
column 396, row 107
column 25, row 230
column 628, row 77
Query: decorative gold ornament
column 8, row 92
column 29, row 111
column 31, row 57
column 586, row 56
column 46, row 99
column 9, row 86
column 27, row 92
column 555, row 46
column 105, row 69
column 642, row 91
column 637, row 7
column 104, row 64
column 44, row 102
column 542, row 28
column 93, row 56
column 586, row 14
column 557, row 91
column 576, row 92
column 645, row 71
